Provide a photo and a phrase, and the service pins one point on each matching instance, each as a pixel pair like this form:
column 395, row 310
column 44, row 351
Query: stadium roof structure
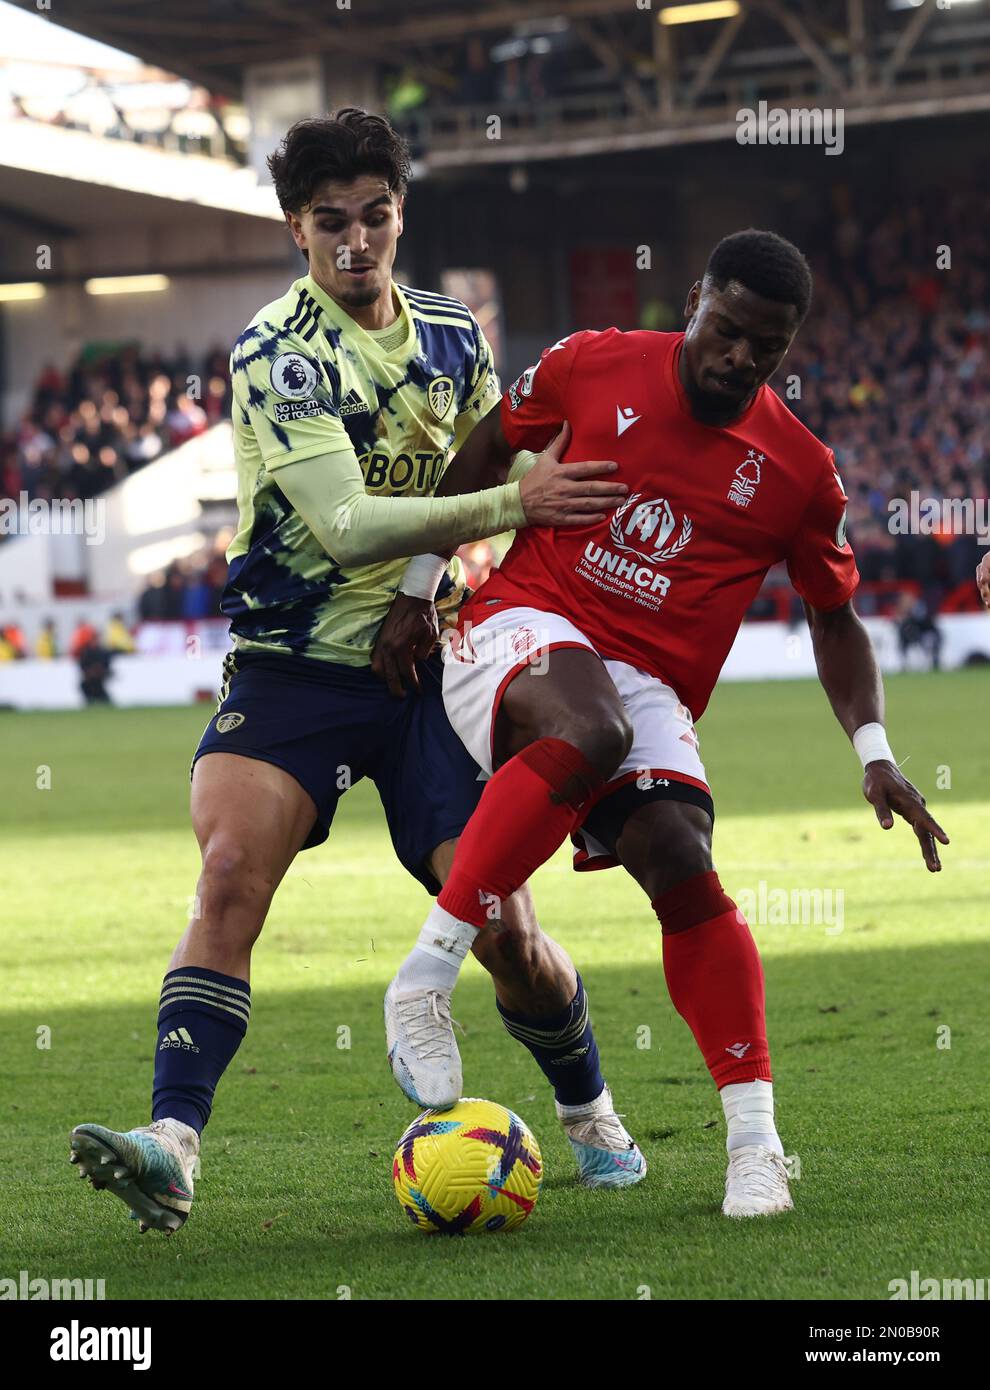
column 38, row 161
column 629, row 78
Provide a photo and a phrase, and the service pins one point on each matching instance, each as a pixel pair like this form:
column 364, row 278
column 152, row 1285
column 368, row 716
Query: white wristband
column 422, row 576
column 870, row 742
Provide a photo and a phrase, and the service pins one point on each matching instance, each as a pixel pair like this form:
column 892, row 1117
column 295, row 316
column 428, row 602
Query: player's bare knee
column 686, row 859
column 231, row 882
column 518, row 915
column 605, row 740
column 500, row 949
column 532, row 975
column 507, row 944
column 686, row 855
column 614, row 738
column 665, row 843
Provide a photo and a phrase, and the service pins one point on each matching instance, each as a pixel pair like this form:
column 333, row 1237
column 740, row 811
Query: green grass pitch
column 879, row 1031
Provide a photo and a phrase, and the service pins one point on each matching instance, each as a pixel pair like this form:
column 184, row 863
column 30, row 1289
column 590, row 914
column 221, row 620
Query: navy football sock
column 564, row 1047
column 202, row 1019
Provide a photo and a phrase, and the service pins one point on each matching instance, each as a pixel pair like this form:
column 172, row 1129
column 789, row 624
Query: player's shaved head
column 768, row 264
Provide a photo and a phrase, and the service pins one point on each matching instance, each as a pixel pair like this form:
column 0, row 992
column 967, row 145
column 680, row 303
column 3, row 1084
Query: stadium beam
column 665, row 58
column 305, row 44
column 662, row 85
column 312, row 35
column 808, row 45
column 179, row 28
column 21, row 221
column 610, row 60
column 103, row 27
column 497, row 16
column 858, row 58
column 615, row 142
column 713, row 58
column 909, row 37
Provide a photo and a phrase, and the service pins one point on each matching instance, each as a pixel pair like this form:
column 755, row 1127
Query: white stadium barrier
column 180, row 663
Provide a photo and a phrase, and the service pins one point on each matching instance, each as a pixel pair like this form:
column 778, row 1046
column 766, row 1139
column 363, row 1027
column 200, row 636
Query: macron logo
column 624, row 417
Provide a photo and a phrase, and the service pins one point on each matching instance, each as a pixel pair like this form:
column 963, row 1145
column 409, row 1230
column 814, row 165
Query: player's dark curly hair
column 765, row 263
column 343, row 146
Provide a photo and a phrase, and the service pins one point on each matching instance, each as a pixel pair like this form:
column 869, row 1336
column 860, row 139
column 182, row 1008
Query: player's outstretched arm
column 549, row 488
column 566, row 492
column 357, row 529
column 848, row 671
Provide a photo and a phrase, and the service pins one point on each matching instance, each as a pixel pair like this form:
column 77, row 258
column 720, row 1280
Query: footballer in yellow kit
column 308, row 380
column 350, row 394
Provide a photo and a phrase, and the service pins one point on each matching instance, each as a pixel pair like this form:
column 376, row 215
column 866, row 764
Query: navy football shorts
column 330, row 725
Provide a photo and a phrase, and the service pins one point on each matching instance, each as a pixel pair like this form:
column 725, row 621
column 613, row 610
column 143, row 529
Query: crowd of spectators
column 189, row 588
column 893, row 366
column 145, row 108
column 894, row 371
column 112, row 412
column 116, row 637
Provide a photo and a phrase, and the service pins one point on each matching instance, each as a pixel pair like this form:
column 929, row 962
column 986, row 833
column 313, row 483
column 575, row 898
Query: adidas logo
column 180, row 1038
column 739, row 1049
column 352, row 404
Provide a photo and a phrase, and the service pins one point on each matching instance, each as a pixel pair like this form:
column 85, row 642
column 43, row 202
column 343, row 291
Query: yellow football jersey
column 307, row 380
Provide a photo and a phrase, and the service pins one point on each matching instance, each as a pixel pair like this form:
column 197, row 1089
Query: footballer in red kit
column 578, row 670
column 709, row 511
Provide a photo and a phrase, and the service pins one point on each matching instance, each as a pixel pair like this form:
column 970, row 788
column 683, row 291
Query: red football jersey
column 665, row 582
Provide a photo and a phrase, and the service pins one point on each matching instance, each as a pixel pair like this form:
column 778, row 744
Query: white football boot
column 422, row 1050
column 756, row 1183
column 150, row 1168
column 606, row 1153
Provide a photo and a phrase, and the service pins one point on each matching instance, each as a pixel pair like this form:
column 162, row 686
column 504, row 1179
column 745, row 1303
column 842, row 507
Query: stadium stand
column 112, row 412
column 895, row 371
column 894, row 368
column 609, row 139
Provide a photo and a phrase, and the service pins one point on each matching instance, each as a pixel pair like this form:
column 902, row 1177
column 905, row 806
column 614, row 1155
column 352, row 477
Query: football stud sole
column 95, row 1159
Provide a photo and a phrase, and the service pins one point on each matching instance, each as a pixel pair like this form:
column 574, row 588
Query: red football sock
column 526, row 812
column 715, row 978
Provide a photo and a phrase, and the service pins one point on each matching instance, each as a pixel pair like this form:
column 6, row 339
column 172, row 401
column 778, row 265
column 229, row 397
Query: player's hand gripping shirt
column 308, row 381
column 665, row 582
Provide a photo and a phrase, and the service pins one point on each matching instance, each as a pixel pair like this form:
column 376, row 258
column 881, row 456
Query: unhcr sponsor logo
column 623, row 568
